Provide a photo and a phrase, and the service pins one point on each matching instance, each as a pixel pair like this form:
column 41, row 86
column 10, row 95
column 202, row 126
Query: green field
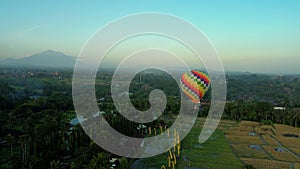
column 229, row 148
column 215, row 153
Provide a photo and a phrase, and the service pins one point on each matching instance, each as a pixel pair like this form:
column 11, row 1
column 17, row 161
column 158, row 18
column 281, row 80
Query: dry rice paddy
column 238, row 139
column 240, row 136
column 244, row 150
column 270, row 141
column 289, row 141
column 296, row 150
column 283, row 129
column 265, row 164
column 281, row 156
column 297, row 166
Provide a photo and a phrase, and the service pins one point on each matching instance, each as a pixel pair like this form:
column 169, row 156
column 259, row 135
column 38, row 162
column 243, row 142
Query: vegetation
column 36, row 108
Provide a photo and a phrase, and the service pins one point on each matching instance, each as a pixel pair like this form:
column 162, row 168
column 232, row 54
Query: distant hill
column 47, row 58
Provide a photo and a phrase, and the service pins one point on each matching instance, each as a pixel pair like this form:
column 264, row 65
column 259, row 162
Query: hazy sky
column 252, row 35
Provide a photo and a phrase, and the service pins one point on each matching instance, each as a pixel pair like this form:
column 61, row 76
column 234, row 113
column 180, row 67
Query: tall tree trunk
column 11, row 149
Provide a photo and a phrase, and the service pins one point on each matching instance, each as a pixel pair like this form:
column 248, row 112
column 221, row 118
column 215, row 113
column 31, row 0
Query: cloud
column 16, row 35
column 31, row 29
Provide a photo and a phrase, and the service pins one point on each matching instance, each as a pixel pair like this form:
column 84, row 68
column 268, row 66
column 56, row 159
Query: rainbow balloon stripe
column 195, row 84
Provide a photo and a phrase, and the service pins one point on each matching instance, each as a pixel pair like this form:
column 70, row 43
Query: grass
column 215, row 153
column 17, row 87
column 229, row 147
column 154, row 162
column 70, row 115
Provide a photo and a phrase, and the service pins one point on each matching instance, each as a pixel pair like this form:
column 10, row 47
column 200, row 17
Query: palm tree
column 30, row 161
column 101, row 161
column 11, row 140
column 55, row 164
column 123, row 163
column 296, row 118
column 23, row 142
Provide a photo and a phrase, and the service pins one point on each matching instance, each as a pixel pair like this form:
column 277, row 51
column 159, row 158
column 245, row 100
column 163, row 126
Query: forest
column 36, row 109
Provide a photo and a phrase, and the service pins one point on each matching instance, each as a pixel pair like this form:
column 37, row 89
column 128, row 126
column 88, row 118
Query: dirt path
column 265, row 143
column 286, row 148
column 292, row 165
column 263, row 140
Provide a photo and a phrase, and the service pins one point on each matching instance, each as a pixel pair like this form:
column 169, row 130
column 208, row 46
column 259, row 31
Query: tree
column 23, row 143
column 11, row 140
column 101, row 161
column 55, row 164
column 123, row 163
column 252, row 115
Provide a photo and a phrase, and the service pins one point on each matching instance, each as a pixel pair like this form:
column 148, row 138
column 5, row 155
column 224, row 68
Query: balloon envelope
column 194, row 84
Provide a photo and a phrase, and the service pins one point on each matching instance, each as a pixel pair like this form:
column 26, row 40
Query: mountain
column 47, row 58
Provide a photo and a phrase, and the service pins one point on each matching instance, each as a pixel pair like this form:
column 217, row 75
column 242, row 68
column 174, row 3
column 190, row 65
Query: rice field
column 249, row 123
column 266, row 164
column 245, row 134
column 244, row 151
column 265, row 130
column 239, row 139
column 243, row 128
column 296, row 150
column 297, row 166
column 289, row 141
column 281, row 156
column 214, row 153
column 241, row 135
column 270, row 141
column 283, row 129
column 236, row 144
column 235, row 132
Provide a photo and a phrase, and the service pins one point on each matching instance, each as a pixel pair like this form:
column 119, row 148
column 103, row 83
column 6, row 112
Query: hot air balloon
column 195, row 84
